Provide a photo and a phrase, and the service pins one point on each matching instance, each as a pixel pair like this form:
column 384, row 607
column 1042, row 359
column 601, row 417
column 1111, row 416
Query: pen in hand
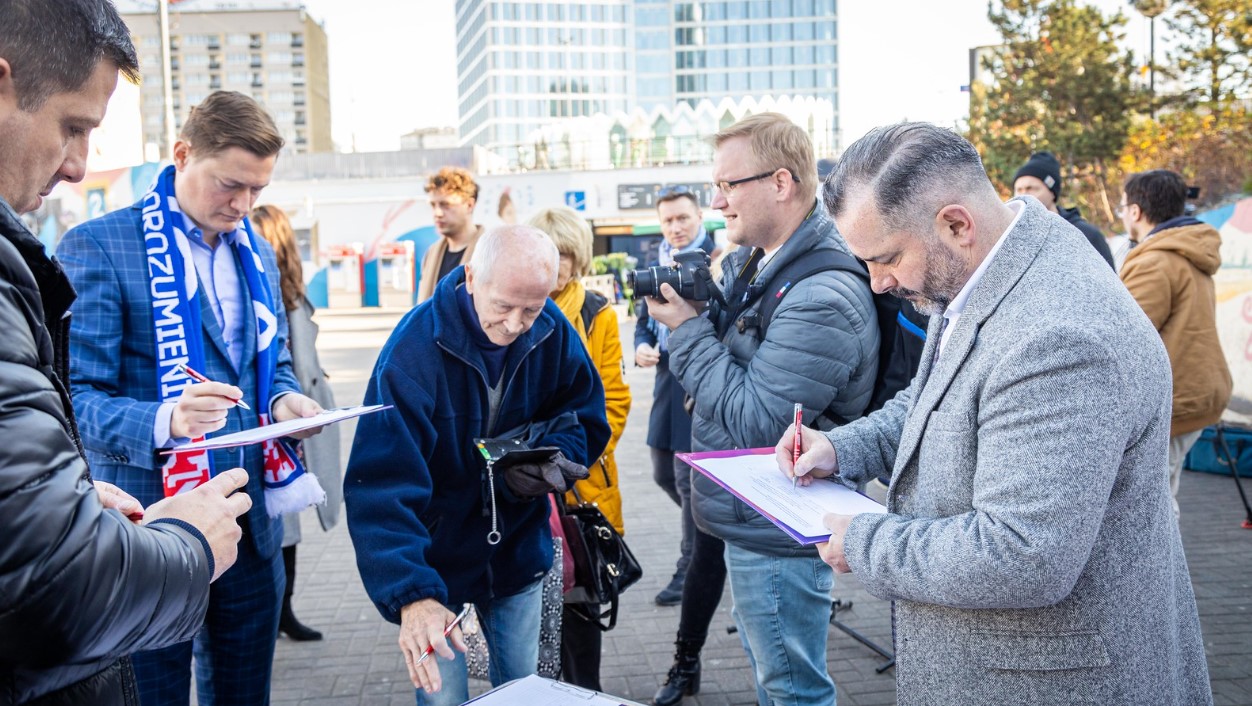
column 430, row 649
column 795, row 449
column 200, row 378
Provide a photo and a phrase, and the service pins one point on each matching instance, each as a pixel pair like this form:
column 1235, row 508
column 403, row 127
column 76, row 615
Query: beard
column 945, row 275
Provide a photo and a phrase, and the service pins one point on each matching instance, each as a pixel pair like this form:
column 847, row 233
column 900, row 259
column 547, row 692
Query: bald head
column 515, row 247
column 513, row 269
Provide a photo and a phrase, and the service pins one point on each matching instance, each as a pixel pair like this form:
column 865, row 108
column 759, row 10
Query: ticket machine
column 345, row 276
column 397, row 274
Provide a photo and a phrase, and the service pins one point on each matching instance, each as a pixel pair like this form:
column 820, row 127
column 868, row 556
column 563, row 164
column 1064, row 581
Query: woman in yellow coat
column 596, row 322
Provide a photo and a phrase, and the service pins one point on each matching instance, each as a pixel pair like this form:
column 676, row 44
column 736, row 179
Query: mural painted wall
column 370, row 212
column 1234, row 302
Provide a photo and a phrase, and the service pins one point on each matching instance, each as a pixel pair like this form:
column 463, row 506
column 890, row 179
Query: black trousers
column 674, row 477
column 580, row 646
column 702, row 589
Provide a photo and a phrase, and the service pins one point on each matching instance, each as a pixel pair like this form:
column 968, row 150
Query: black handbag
column 603, row 564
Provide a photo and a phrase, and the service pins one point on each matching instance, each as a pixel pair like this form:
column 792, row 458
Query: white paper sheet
column 755, row 479
column 537, row 691
column 279, row 429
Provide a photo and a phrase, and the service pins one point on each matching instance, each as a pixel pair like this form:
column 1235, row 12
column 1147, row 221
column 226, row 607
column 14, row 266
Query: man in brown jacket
column 453, row 194
column 1170, row 274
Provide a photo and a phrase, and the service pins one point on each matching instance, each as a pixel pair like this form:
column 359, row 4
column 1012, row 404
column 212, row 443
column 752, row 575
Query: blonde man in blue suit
column 180, row 281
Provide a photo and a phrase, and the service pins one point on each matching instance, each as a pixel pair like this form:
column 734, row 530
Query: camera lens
column 643, row 282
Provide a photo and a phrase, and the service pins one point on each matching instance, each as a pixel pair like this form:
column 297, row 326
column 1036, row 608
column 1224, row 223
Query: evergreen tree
column 1061, row 84
column 1213, row 48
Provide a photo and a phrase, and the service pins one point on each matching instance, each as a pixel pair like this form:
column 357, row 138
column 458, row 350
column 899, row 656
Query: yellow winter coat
column 605, row 346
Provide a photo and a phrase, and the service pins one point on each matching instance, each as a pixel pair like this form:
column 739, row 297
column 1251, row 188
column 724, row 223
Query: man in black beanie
column 1040, row 177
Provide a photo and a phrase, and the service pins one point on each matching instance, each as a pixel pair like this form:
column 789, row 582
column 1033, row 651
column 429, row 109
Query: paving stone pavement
column 359, row 662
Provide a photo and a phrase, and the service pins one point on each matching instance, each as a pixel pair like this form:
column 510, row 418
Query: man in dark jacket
column 669, row 424
column 819, row 349
column 488, row 356
column 82, row 583
column 1040, row 177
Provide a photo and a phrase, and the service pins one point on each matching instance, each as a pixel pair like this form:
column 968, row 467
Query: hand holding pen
column 804, row 454
column 202, row 407
column 795, row 449
column 427, row 627
column 456, row 622
column 186, row 370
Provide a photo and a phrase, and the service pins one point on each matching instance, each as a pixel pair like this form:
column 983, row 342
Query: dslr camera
column 689, row 276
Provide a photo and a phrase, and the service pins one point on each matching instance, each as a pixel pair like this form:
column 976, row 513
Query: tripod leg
column 838, row 605
column 1234, row 472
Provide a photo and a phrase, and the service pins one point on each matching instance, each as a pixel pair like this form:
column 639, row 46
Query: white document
column 753, row 477
column 537, row 691
column 278, row 429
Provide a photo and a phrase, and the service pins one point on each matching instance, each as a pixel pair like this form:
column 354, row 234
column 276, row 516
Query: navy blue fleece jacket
column 416, row 492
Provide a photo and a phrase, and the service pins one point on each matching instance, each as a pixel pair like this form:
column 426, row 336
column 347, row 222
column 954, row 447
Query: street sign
column 576, row 200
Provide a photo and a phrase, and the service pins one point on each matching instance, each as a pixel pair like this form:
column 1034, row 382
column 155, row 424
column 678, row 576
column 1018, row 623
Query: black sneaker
column 671, row 594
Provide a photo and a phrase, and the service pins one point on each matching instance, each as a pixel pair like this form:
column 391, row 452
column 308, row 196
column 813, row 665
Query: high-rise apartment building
column 271, row 50
column 521, row 64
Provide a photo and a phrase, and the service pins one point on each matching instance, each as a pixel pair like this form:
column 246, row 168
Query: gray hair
column 908, row 168
column 515, row 246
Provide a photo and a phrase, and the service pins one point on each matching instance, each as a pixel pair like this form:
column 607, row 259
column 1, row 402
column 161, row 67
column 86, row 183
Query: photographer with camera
column 489, row 355
column 669, row 423
column 746, row 362
column 1170, row 273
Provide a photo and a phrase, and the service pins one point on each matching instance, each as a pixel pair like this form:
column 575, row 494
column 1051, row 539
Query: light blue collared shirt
column 219, row 279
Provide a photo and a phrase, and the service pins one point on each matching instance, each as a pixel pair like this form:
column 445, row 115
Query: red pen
column 795, row 449
column 430, row 649
column 200, row 378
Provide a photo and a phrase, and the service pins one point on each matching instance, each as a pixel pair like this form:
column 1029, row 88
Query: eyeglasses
column 728, row 186
column 1120, row 209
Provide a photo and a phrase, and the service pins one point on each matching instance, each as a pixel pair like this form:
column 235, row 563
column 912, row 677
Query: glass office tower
column 522, row 64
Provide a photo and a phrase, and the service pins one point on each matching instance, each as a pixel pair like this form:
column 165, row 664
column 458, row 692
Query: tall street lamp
column 1150, row 9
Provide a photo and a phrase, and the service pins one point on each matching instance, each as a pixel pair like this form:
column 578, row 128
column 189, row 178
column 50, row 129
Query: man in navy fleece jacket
column 487, row 356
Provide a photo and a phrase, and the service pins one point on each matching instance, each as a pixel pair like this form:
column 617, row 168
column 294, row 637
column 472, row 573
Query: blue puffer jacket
column 820, row 349
column 415, row 490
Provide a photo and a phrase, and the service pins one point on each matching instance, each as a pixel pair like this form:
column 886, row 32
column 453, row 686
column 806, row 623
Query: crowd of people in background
column 1020, row 395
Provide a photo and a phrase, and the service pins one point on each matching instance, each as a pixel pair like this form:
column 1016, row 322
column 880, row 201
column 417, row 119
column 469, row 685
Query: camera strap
column 738, row 300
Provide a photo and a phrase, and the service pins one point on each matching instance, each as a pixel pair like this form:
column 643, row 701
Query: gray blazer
column 321, row 452
column 1031, row 546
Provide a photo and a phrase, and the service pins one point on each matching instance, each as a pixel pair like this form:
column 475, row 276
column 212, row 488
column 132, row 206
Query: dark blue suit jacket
column 113, row 365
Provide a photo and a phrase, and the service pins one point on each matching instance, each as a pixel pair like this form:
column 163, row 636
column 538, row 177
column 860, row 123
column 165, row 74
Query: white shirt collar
column 957, row 307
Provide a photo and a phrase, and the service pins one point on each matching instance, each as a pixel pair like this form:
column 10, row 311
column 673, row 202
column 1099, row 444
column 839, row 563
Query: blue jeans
column 511, row 626
column 782, row 608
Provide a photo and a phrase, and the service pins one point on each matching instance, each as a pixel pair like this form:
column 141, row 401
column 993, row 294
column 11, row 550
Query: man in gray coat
column 1030, row 545
column 819, row 349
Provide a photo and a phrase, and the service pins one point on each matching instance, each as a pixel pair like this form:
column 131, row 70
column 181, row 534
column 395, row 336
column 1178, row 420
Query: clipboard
column 257, row 435
column 537, row 691
column 752, row 475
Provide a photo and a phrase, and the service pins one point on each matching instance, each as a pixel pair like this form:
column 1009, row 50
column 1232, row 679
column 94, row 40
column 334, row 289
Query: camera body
column 689, row 276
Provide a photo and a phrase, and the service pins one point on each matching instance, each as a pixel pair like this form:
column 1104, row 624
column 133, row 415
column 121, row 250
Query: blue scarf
column 173, row 286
